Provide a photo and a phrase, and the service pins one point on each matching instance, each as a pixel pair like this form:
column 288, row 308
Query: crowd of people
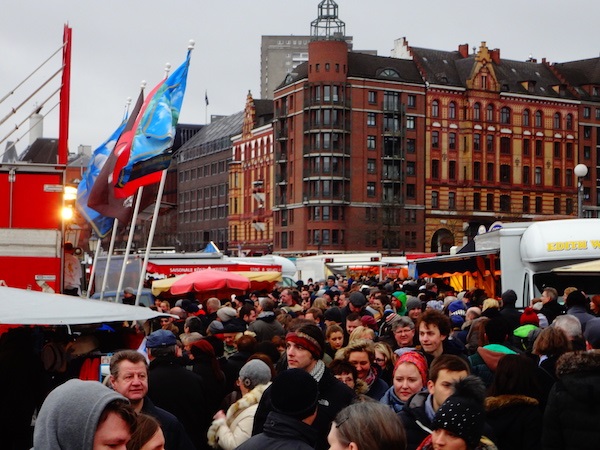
column 346, row 364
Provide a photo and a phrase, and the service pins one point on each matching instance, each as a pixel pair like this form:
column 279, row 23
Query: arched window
column 489, row 113
column 557, row 120
column 538, row 119
column 569, row 122
column 526, row 118
column 452, row 110
column 505, row 115
column 435, row 108
column 477, row 111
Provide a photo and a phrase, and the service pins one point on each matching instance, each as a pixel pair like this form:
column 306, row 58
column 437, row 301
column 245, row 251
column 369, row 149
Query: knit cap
column 529, row 316
column 414, row 358
column 254, row 373
column 457, row 312
column 310, row 337
column 294, row 393
column 463, row 413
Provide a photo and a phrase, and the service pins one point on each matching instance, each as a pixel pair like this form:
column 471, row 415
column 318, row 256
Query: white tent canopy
column 25, row 307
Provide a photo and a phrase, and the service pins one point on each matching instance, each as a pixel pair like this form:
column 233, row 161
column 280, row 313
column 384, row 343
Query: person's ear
column 430, row 385
column 352, row 446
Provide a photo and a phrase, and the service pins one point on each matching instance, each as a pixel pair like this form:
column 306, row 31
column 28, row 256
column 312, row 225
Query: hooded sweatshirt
column 69, row 416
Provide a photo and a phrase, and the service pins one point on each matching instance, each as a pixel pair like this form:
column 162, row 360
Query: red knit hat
column 529, row 317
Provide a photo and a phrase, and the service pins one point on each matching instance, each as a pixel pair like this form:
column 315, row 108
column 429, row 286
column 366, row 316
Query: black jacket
column 181, row 392
column 516, row 421
column 175, row 436
column 573, row 413
column 552, row 309
column 413, row 412
column 512, row 316
column 333, row 397
column 282, row 432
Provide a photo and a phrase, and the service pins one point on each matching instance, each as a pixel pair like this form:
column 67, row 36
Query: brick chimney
column 463, row 49
column 495, row 54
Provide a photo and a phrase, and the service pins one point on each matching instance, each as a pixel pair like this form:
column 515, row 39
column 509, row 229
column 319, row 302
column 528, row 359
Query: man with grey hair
column 167, row 376
column 572, row 328
column 129, row 377
column 266, row 326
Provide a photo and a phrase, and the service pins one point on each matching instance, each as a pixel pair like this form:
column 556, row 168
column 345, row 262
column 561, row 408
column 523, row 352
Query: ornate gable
column 483, row 76
column 249, row 113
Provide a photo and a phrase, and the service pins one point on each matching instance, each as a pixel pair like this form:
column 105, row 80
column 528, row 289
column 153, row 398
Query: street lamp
column 581, row 171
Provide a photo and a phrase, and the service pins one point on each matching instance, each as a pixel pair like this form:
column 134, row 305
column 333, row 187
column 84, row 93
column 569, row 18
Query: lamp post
column 580, row 171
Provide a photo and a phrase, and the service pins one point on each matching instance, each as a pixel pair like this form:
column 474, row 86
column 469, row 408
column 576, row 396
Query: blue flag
column 101, row 224
column 150, row 151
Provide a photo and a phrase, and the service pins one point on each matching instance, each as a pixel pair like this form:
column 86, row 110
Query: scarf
column 318, row 370
column 371, row 378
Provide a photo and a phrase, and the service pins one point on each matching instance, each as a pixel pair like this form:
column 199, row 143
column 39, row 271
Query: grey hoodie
column 69, row 416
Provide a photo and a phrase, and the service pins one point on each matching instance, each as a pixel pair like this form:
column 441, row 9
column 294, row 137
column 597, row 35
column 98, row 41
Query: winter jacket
column 416, row 418
column 581, row 313
column 181, row 392
column 551, row 310
column 333, row 397
column 485, row 361
column 266, row 327
column 512, row 316
column 516, row 421
column 573, row 411
column 236, row 428
column 282, row 433
column 377, row 389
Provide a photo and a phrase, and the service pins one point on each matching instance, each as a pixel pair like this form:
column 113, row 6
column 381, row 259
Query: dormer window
column 389, row 73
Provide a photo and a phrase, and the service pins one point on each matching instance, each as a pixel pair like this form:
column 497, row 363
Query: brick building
column 349, row 131
column 251, row 182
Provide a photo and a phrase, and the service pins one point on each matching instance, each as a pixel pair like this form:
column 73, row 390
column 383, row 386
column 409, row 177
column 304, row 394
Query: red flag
column 102, row 197
column 123, row 153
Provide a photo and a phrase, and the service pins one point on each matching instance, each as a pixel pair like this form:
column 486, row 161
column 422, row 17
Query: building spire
column 327, row 26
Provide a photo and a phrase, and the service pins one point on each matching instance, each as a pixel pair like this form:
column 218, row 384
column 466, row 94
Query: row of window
column 391, row 123
column 505, row 174
column 325, row 237
column 506, row 115
column 391, row 100
column 391, row 145
column 212, row 213
column 505, row 203
column 505, row 145
column 203, row 171
column 207, row 192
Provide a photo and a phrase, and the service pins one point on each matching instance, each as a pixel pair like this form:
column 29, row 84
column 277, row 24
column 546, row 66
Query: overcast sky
column 117, row 44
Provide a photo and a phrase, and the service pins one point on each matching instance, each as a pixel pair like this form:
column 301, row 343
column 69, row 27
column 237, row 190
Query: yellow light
column 67, row 213
column 70, row 193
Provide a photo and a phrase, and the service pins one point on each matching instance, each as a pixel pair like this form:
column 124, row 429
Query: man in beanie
column 304, row 350
column 508, row 310
column 459, row 423
column 357, row 303
column 577, row 305
column 525, row 333
column 293, row 395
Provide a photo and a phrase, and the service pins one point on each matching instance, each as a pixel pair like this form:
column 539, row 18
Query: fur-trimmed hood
column 579, row 374
column 578, row 362
column 504, row 401
column 249, row 399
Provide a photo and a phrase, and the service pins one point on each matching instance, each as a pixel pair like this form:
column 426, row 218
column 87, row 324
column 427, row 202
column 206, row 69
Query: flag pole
column 93, row 272
column 136, row 209
column 111, row 247
column 161, row 188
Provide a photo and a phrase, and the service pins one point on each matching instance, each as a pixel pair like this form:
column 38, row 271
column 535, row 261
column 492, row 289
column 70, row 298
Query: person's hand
column 219, row 415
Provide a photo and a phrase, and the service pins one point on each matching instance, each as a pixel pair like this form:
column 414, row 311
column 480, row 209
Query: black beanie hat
column 463, row 413
column 294, row 393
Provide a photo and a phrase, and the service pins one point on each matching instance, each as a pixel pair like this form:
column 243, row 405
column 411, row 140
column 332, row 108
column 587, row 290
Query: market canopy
column 470, row 263
column 27, row 307
column 206, row 283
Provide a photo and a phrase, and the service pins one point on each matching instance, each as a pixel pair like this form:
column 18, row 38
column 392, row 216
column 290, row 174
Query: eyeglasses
column 380, row 360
